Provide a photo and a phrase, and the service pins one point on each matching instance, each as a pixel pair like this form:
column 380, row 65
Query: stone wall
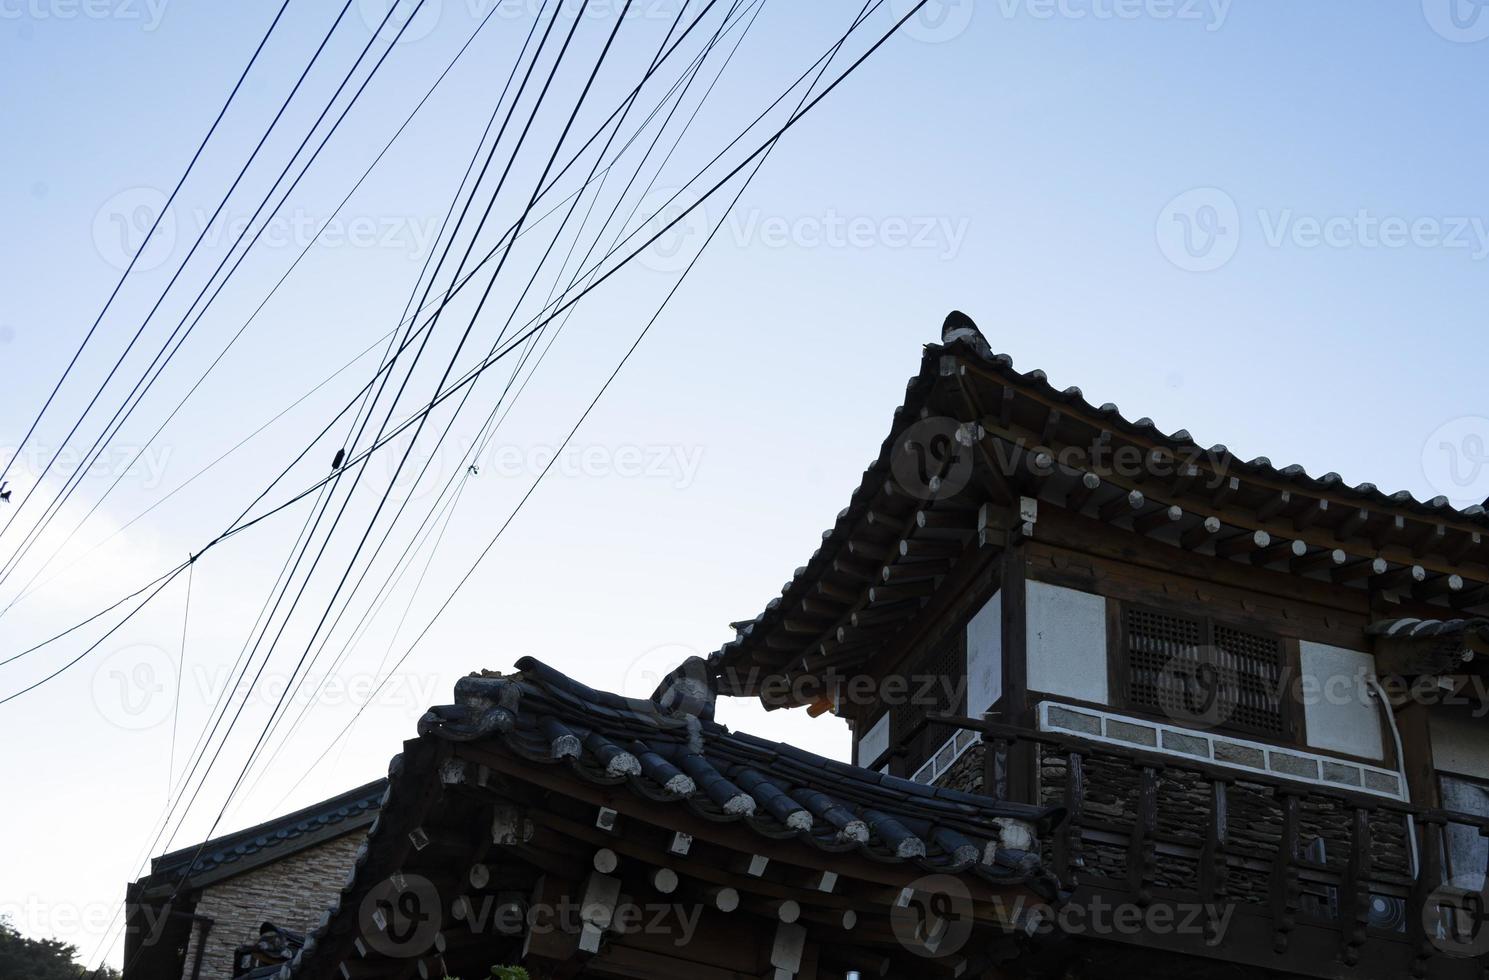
column 965, row 773
column 292, row 893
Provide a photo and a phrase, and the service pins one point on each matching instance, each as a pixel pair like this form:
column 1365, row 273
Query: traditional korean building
column 1123, row 707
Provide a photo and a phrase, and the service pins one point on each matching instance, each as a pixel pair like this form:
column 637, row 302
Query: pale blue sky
column 1034, row 163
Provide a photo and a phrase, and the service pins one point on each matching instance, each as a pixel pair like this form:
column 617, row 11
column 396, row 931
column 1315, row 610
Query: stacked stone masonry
column 291, row 893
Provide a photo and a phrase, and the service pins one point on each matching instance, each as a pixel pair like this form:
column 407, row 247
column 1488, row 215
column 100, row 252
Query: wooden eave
column 890, row 552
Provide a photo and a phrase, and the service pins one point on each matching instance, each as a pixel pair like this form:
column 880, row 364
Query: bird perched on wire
column 4, row 493
column 959, row 326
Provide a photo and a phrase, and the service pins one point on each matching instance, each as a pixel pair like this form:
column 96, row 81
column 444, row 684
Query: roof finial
column 959, row 326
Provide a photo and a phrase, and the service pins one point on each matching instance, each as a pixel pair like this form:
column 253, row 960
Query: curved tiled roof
column 359, row 804
column 681, row 758
column 778, row 790
column 1293, row 474
column 1259, row 476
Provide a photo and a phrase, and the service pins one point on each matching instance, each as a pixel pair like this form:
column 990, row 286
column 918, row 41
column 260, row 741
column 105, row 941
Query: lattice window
column 936, row 684
column 1157, row 643
column 1198, row 672
column 1253, row 662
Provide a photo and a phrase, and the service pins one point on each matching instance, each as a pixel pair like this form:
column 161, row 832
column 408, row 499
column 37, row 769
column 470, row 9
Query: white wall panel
column 1067, row 642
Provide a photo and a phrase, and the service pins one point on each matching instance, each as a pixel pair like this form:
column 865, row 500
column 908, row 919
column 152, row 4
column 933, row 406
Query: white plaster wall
column 1067, row 642
column 1340, row 716
column 874, row 742
column 985, row 657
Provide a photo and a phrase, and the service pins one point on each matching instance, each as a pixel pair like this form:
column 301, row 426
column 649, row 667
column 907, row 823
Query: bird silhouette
column 4, row 493
column 959, row 326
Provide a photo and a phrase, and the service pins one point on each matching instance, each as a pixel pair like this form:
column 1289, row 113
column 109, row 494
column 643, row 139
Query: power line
column 157, row 364
column 144, row 243
column 272, row 292
column 241, row 173
column 244, row 523
column 801, row 110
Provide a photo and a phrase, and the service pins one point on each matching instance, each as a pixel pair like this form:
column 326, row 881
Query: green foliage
column 501, row 973
column 509, row 973
column 42, row 959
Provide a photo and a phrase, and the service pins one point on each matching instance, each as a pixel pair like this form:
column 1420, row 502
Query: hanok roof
column 569, row 767
column 1412, row 647
column 1031, row 443
column 272, row 839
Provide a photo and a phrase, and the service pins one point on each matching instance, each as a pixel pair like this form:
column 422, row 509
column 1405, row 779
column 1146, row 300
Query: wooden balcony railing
column 1148, row 825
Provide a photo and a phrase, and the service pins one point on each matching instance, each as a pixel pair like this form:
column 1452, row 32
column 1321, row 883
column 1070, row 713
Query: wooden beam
column 1281, row 551
column 1310, row 515
column 1200, row 533
column 1242, row 544
column 1121, row 506
column 1325, row 559
column 1157, row 520
column 1405, row 577
column 1082, row 492
column 1368, row 568
column 1352, row 523
column 1274, row 505
column 1437, row 587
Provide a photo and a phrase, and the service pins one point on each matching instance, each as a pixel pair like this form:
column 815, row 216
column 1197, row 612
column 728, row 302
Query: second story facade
column 1245, row 683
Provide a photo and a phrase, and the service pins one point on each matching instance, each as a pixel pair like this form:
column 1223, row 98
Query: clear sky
column 1263, row 221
